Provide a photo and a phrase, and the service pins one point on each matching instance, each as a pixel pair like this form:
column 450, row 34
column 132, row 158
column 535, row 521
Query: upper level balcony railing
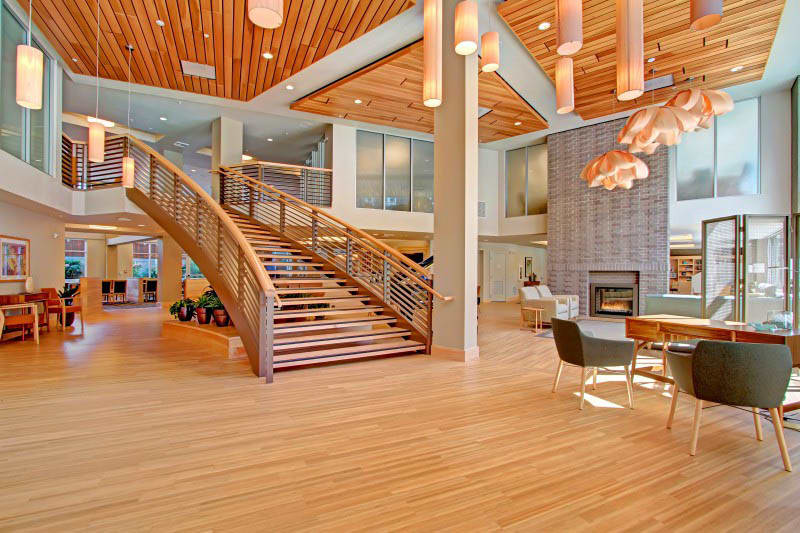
column 310, row 184
column 77, row 172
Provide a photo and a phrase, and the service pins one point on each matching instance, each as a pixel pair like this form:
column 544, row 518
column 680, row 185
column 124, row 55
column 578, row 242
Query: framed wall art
column 15, row 258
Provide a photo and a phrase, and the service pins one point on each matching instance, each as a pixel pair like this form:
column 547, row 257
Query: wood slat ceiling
column 391, row 94
column 311, row 30
column 695, row 59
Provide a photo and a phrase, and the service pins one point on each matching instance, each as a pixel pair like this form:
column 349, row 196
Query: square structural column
column 455, row 194
column 227, row 146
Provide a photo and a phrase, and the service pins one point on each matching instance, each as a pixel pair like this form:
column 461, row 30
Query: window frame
column 525, row 188
column 714, row 184
column 85, row 255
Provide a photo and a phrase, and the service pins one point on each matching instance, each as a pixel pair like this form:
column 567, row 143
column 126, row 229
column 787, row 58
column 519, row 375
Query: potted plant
column 183, row 309
column 67, row 295
column 221, row 318
column 204, row 308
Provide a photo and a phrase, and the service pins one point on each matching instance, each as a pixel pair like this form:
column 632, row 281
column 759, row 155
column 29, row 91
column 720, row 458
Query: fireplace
column 613, row 299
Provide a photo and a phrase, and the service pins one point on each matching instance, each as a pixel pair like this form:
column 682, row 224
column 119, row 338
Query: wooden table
column 537, row 317
column 666, row 328
column 34, row 309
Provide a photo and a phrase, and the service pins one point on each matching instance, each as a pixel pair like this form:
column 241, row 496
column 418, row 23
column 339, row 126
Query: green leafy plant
column 210, row 299
column 188, row 303
column 68, row 292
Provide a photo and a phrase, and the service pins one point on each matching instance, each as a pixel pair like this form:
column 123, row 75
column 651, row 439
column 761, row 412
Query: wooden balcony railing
column 310, row 184
column 398, row 281
column 77, row 172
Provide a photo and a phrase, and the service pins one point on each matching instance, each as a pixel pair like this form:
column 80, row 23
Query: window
column 393, row 173
column 145, row 259
column 193, row 270
column 722, row 160
column 526, row 181
column 74, row 259
column 25, row 132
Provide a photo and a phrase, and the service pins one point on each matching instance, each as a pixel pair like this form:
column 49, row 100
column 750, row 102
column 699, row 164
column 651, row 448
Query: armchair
column 61, row 306
column 564, row 307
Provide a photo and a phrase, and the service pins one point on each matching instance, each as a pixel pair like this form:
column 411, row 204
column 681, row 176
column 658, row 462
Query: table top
column 711, row 323
column 18, row 306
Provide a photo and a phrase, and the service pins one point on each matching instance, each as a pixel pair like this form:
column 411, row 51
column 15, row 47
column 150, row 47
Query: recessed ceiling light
column 140, row 225
column 518, row 123
column 123, row 219
column 544, row 26
column 269, row 140
column 206, row 36
column 193, row 170
column 266, row 55
column 98, row 226
column 75, row 59
column 105, row 123
column 160, row 22
column 246, row 157
column 162, row 118
column 737, row 69
column 290, row 87
column 651, row 59
column 357, row 101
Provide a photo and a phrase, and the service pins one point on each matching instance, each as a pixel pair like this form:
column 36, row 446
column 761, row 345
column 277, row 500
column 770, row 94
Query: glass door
column 720, row 274
column 765, row 270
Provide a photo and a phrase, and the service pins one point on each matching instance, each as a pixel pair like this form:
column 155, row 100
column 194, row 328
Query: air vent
column 481, row 209
column 180, row 144
column 659, row 83
column 198, row 69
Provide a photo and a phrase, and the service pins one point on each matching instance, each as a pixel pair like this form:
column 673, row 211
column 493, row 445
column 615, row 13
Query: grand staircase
column 302, row 286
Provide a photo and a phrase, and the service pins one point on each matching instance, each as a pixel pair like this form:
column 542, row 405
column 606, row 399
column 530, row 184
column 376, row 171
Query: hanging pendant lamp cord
column 30, row 20
column 129, row 89
column 97, row 66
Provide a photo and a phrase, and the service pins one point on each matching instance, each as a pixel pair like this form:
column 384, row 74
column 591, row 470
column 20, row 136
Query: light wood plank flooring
column 125, row 430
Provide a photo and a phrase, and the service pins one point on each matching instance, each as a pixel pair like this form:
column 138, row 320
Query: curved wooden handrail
column 403, row 261
column 263, row 279
column 282, row 165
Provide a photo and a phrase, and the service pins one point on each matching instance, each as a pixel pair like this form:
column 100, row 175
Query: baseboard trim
column 456, row 354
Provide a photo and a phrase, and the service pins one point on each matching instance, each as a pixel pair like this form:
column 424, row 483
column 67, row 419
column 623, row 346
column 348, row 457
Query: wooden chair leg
column 757, row 422
column 672, row 405
column 629, row 385
column 83, row 326
column 583, row 387
column 594, row 383
column 698, row 414
column 778, row 425
column 558, row 374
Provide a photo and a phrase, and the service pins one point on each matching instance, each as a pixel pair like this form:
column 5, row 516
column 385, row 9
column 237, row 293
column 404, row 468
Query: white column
column 227, row 143
column 455, row 227
column 169, row 270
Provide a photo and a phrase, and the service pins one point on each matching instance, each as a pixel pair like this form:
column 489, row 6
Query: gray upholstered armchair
column 733, row 373
column 581, row 349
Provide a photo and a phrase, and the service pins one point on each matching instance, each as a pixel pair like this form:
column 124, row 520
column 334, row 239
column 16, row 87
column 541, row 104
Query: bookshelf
column 681, row 270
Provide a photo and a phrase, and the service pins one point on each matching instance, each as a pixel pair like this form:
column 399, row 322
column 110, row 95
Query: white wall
column 775, row 197
column 47, row 246
column 515, row 258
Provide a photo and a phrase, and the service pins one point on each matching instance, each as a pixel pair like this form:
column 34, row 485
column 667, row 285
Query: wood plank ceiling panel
column 695, row 59
column 210, row 32
column 390, row 91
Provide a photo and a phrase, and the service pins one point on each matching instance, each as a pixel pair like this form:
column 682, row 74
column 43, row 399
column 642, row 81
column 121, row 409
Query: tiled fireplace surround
column 595, row 230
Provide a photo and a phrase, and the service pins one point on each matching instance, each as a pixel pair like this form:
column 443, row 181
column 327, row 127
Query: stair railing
column 77, row 172
column 401, row 283
column 208, row 234
column 311, row 184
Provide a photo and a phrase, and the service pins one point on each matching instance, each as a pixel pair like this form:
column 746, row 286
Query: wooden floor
column 124, row 430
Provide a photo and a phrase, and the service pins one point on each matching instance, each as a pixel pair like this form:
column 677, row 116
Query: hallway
column 126, row 430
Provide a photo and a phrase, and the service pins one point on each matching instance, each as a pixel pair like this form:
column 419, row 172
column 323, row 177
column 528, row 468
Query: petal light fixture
column 704, row 14
column 565, row 89
column 613, row 169
column 569, row 15
column 490, row 51
column 432, row 54
column 267, row 14
column 703, row 103
column 466, row 38
column 630, row 49
column 648, row 128
column 97, row 131
column 30, row 70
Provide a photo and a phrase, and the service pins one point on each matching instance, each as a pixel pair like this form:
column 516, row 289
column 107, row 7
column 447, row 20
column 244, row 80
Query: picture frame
column 15, row 258
column 528, row 266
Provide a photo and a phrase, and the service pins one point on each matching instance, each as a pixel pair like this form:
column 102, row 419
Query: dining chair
column 584, row 350
column 737, row 374
column 58, row 306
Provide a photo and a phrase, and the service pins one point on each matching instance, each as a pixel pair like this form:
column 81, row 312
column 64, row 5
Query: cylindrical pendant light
column 490, row 51
column 30, row 70
column 128, row 164
column 705, row 13
column 466, row 27
column 265, row 13
column 432, row 52
column 97, row 132
column 630, row 49
column 565, row 91
column 570, row 26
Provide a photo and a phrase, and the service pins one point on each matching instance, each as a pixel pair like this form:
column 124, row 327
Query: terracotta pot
column 203, row 315
column 185, row 314
column 221, row 318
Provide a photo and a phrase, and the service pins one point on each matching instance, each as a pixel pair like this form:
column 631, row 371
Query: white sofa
column 564, row 306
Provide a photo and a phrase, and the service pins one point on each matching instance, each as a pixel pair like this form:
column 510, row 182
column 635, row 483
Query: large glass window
column 722, row 160
column 526, row 181
column 74, row 259
column 189, row 268
column 145, row 259
column 394, row 173
column 24, row 133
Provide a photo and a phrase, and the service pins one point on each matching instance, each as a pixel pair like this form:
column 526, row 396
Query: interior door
column 497, row 276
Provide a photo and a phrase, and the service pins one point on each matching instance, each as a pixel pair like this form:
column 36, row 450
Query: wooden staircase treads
column 327, row 312
column 284, row 272
column 349, row 352
column 283, row 256
column 326, row 299
column 304, row 341
column 335, row 323
column 274, row 247
column 285, row 281
column 292, row 263
column 314, row 290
